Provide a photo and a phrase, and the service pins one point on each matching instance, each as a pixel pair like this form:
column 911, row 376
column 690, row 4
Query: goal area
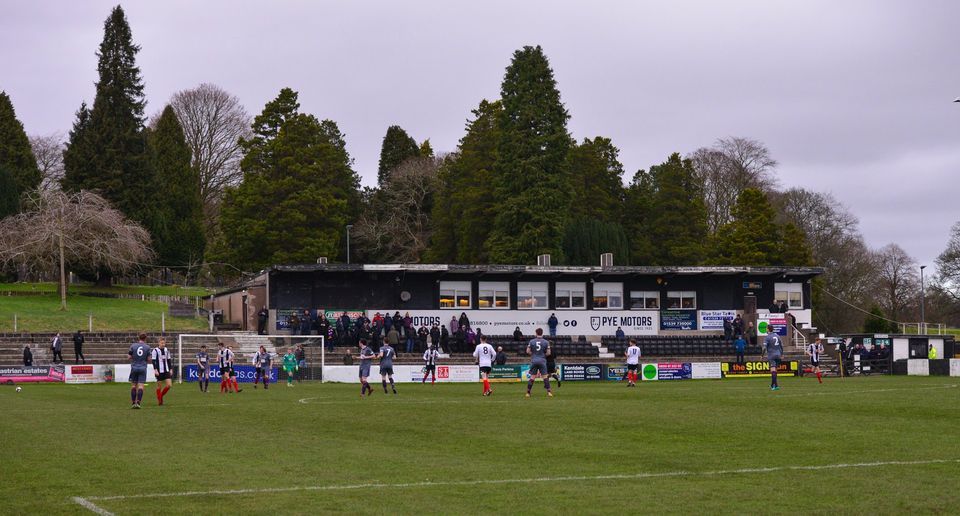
column 245, row 346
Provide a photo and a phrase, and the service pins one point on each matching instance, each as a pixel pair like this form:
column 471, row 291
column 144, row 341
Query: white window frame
column 568, row 291
column 609, row 290
column 644, row 295
column 683, row 294
column 532, row 290
column 460, row 290
column 786, row 289
column 498, row 289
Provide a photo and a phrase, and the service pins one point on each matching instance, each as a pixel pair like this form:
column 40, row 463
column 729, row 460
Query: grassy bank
column 42, row 313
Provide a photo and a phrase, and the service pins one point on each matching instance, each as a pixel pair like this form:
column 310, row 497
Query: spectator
column 620, row 335
column 444, row 338
column 323, row 327
column 479, row 334
column 393, row 337
column 518, row 335
column 740, row 345
column 775, row 307
column 411, row 335
column 27, row 356
column 738, row 325
column 397, row 320
column 434, row 335
column 377, row 318
column 293, row 323
column 931, row 353
column 464, row 321
column 306, row 325
column 422, row 334
column 78, row 347
column 387, row 324
column 552, row 322
column 262, row 317
column 454, row 325
column 301, row 355
column 752, row 334
column 459, row 339
column 345, row 320
column 407, row 320
column 57, row 347
column 471, row 338
column 727, row 329
column 501, row 358
column 783, row 307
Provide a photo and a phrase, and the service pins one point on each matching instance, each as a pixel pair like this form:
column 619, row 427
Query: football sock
column 236, row 386
column 546, row 383
column 363, row 388
column 486, row 385
column 139, row 395
column 159, row 396
column 392, row 386
column 774, row 378
column 384, row 382
column 529, row 385
column 133, row 395
column 433, row 378
column 819, row 377
column 200, row 383
column 164, row 392
column 424, row 378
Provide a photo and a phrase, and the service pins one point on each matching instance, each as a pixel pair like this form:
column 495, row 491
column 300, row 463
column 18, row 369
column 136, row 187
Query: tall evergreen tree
column 9, row 193
column 107, row 148
column 794, row 247
column 397, row 147
column 177, row 220
column 15, row 152
column 637, row 217
column 293, row 202
column 465, row 204
column 596, row 177
column 531, row 172
column 585, row 239
column 752, row 237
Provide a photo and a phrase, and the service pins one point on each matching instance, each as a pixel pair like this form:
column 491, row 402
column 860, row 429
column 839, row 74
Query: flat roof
column 562, row 269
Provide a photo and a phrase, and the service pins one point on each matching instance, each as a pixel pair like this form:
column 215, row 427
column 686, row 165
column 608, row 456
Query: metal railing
column 922, row 328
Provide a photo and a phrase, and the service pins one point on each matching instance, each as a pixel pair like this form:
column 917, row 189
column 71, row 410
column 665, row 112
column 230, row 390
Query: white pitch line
column 832, row 393
column 86, row 504
column 430, row 483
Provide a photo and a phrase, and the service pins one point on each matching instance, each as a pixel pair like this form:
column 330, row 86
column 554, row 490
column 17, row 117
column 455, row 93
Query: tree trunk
column 63, row 278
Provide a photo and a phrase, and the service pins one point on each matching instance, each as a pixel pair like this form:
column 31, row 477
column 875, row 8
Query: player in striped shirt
column 225, row 359
column 262, row 363
column 633, row 363
column 484, row 353
column 161, row 365
column 203, row 368
column 430, row 363
column 814, row 351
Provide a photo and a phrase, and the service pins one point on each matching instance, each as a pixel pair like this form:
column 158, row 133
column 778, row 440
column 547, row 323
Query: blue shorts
column 364, row 370
column 386, row 370
column 774, row 362
column 538, row 368
column 138, row 375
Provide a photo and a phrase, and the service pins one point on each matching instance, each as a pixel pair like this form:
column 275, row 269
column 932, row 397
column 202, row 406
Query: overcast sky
column 851, row 97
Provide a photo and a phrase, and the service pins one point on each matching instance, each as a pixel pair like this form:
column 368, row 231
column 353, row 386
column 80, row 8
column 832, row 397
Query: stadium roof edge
column 533, row 269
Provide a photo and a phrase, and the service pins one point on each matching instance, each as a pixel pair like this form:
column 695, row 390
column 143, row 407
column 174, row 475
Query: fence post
column 14, row 323
column 163, row 322
column 89, row 323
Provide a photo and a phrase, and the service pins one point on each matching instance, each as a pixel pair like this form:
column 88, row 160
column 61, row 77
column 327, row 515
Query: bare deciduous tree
column 728, row 168
column 48, row 150
column 213, row 123
column 948, row 265
column 57, row 228
column 396, row 227
column 898, row 281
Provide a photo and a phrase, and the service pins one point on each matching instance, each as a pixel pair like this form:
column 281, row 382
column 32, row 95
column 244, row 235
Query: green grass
column 42, row 313
column 170, row 290
column 61, row 441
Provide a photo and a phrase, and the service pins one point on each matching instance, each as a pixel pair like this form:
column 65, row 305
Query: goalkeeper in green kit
column 290, row 366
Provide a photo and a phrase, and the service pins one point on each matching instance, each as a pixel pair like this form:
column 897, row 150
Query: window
column 454, row 294
column 792, row 293
column 531, row 295
column 640, row 300
column 608, row 295
column 494, row 294
column 682, row 300
column 571, row 295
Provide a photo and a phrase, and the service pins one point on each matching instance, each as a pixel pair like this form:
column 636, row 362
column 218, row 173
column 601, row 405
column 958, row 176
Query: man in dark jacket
column 262, row 317
column 553, row 322
column 57, row 347
column 27, row 356
column 434, row 335
column 501, row 357
column 727, row 329
column 78, row 347
column 422, row 335
column 306, row 324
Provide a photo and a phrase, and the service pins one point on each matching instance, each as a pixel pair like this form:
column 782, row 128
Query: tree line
column 210, row 185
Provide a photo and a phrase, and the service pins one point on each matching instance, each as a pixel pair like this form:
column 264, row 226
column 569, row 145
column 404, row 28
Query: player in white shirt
column 814, row 351
column 633, row 362
column 161, row 365
column 484, row 353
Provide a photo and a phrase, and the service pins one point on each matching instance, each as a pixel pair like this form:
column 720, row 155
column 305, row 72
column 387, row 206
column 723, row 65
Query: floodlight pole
column 348, row 242
column 923, row 302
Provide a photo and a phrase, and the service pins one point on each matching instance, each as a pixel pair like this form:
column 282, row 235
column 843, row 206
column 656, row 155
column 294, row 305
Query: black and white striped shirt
column 161, row 360
column 430, row 356
column 225, row 356
column 814, row 350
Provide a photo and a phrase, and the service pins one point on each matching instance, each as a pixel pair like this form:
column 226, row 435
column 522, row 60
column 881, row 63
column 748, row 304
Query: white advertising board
column 955, row 367
column 706, row 370
column 713, row 319
column 93, row 373
column 918, row 367
column 570, row 322
column 402, row 373
column 121, row 373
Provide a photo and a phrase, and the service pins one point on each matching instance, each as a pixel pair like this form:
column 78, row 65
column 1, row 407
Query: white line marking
column 430, row 483
column 831, row 393
column 86, row 504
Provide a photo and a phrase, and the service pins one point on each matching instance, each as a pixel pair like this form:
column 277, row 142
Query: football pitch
column 863, row 445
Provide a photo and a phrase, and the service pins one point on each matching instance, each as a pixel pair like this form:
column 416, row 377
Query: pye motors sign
column 569, row 322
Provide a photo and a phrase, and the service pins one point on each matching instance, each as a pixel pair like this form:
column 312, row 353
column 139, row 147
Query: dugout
column 588, row 301
column 905, row 346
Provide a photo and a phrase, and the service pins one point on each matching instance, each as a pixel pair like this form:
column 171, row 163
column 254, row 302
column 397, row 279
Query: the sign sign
column 771, row 323
column 576, row 372
column 245, row 374
column 678, row 319
column 616, row 372
column 504, row 373
column 649, row 372
column 672, row 371
column 570, row 322
column 706, row 370
column 31, row 374
column 757, row 369
column 94, row 373
column 752, row 285
column 713, row 319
